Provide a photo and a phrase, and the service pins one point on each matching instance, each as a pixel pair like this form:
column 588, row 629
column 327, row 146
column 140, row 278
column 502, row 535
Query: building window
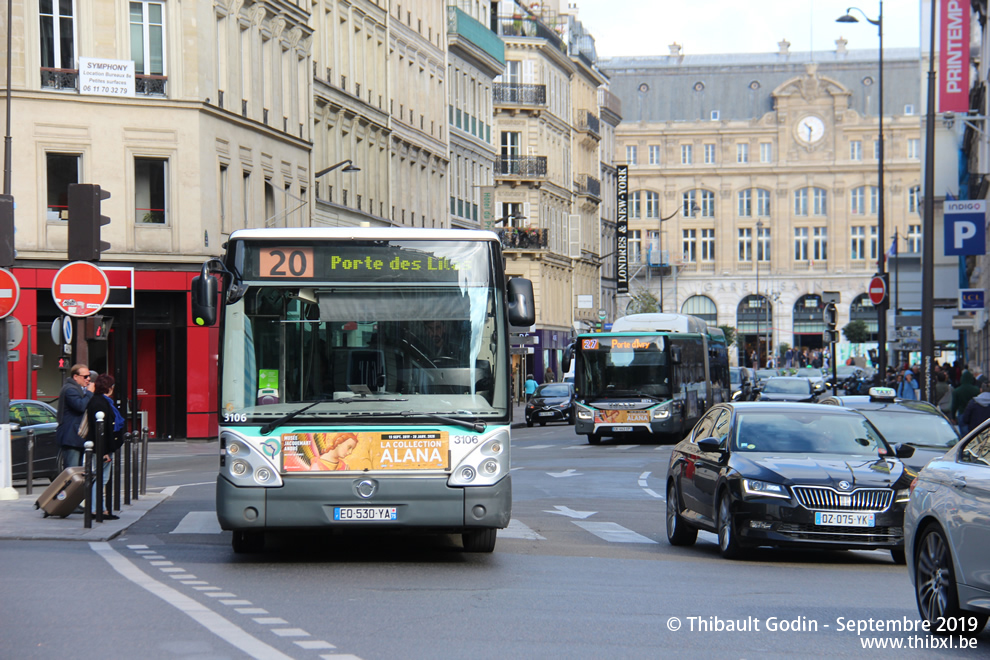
column 631, row 154
column 763, row 244
column 745, row 244
column 820, row 244
column 742, row 152
column 766, row 152
column 510, row 150
column 801, row 201
column 707, row 204
column 689, row 246
column 914, row 239
column 151, row 190
column 701, row 306
column 687, row 156
column 709, row 154
column 708, row 245
column 652, row 205
column 633, row 205
column 819, row 197
column 762, row 202
column 858, row 200
column 800, row 244
column 876, row 150
column 912, row 145
column 745, row 203
column 58, row 25
column 689, row 203
column 635, row 246
column 148, row 38
column 857, row 245
column 914, row 199
column 61, row 170
column 654, row 154
column 856, row 150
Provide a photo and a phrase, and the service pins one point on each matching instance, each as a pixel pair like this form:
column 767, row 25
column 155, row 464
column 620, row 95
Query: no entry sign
column 10, row 292
column 80, row 289
column 877, row 290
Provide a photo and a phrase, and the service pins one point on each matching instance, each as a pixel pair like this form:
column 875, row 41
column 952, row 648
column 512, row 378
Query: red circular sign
column 10, row 292
column 80, row 289
column 877, row 290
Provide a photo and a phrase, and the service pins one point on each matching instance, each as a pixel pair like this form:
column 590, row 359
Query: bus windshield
column 624, row 366
column 365, row 330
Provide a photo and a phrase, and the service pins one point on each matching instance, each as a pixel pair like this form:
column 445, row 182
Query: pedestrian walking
column 72, row 401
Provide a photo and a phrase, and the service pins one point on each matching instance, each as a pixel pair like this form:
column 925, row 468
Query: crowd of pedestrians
column 963, row 397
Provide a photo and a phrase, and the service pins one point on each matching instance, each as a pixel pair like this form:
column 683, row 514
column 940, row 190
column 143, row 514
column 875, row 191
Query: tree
column 643, row 302
column 856, row 332
column 730, row 334
column 783, row 348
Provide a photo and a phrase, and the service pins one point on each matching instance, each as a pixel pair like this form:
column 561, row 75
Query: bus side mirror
column 204, row 298
column 565, row 359
column 522, row 311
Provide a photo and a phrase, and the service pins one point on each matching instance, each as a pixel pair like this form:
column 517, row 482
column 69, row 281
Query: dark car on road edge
column 791, row 389
column 551, row 402
column 787, row 474
column 41, row 418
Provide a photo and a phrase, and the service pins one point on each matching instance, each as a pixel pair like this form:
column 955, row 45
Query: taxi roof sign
column 882, row 394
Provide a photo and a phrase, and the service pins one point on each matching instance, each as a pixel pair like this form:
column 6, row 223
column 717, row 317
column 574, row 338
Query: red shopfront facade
column 165, row 367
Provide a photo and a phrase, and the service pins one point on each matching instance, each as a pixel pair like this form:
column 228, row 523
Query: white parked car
column 947, row 536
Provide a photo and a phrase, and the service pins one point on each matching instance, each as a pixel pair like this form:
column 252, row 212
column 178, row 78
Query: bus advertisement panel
column 363, row 371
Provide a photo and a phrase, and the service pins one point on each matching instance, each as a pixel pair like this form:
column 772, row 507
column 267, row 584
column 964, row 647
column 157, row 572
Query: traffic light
column 830, row 317
column 98, row 327
column 85, row 221
column 63, row 363
column 7, row 231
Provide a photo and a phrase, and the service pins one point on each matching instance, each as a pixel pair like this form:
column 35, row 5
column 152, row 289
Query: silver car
column 947, row 534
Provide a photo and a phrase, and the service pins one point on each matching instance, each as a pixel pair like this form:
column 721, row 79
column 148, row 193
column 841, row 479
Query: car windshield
column 781, row 386
column 554, row 390
column 806, row 433
column 809, row 372
column 734, row 376
column 926, row 429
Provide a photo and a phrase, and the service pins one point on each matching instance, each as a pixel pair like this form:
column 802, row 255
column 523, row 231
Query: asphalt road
column 583, row 571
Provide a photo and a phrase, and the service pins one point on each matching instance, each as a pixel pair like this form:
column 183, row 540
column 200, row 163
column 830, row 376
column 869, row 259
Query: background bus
column 363, row 381
column 653, row 375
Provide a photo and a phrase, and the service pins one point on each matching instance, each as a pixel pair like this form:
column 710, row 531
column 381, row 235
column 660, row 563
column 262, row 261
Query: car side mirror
column 710, row 445
column 903, row 451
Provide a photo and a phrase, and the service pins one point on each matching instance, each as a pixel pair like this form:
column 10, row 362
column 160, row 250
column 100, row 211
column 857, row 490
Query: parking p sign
column 965, row 227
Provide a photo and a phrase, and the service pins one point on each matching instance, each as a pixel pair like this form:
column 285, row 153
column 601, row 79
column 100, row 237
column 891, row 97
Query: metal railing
column 521, row 166
column 523, row 239
column 588, row 121
column 59, row 78
column 150, row 85
column 516, row 26
column 519, row 94
column 585, row 184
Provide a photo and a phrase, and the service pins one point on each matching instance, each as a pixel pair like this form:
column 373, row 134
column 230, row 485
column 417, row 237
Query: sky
column 648, row 27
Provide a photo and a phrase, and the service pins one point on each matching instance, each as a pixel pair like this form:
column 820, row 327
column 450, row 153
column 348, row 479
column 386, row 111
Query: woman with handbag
column 113, row 427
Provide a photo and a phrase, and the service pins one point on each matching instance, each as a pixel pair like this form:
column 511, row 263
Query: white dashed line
column 236, row 602
column 251, row 610
column 270, row 621
column 290, row 632
column 221, row 594
column 314, row 644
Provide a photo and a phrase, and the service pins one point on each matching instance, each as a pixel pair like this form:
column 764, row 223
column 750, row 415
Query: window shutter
column 575, row 236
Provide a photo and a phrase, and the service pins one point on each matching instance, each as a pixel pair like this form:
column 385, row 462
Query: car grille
column 842, row 534
column 822, row 498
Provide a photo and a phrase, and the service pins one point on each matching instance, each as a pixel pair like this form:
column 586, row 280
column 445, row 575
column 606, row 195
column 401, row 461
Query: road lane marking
column 271, row 621
column 571, row 513
column 644, row 485
column 534, row 446
column 198, row 522
column 612, row 532
column 314, row 644
column 625, row 447
column 290, row 632
column 518, row 530
column 204, row 616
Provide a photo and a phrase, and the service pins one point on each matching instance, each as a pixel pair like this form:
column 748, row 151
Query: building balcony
column 59, row 78
column 521, row 167
column 587, row 185
column 150, row 85
column 523, row 239
column 587, row 122
column 609, row 101
column 516, row 26
column 519, row 94
column 462, row 26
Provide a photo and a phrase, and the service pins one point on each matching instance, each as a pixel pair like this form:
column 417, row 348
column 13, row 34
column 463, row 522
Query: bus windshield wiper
column 478, row 427
column 270, row 426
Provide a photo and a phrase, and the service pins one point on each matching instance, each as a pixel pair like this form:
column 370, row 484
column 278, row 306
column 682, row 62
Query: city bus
column 651, row 376
column 338, row 407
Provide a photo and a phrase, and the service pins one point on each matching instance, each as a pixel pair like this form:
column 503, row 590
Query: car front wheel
column 935, row 584
column 728, row 544
column 678, row 531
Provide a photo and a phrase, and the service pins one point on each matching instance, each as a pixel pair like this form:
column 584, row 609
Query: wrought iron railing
column 528, row 27
column 59, row 78
column 521, row 166
column 150, row 85
column 523, row 239
column 586, row 121
column 519, row 94
column 588, row 185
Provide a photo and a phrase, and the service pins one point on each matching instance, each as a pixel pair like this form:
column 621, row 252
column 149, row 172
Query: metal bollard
column 88, row 471
column 127, row 467
column 115, row 480
column 135, row 464
column 100, row 452
column 144, row 460
column 30, row 462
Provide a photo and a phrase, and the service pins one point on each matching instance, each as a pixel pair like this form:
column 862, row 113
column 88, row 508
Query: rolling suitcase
column 64, row 494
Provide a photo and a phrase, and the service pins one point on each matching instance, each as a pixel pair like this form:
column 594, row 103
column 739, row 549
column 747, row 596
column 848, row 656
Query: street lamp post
column 759, row 298
column 881, row 267
column 694, row 209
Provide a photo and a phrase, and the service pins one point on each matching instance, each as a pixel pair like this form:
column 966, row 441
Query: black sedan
column 915, row 423
column 797, row 475
column 41, row 419
column 790, row 389
column 552, row 402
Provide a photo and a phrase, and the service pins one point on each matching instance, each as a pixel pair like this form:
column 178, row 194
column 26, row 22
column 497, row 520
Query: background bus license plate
column 361, row 513
column 621, row 428
column 844, row 519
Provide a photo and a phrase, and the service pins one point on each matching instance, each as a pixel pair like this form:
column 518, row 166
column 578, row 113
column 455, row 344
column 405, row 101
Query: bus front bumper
column 308, row 503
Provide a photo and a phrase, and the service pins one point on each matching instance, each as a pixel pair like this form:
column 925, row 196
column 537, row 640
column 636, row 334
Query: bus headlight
column 662, row 412
column 486, row 464
column 244, row 465
column 584, row 414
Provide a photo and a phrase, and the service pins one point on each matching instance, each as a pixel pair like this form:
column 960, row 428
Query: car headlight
column 754, row 488
column 902, row 495
column 565, row 404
